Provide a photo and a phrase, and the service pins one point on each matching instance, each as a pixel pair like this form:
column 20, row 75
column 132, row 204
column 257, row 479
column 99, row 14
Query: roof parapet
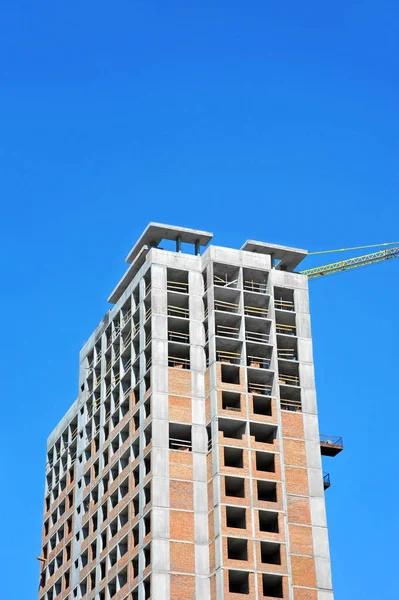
column 289, row 258
column 154, row 233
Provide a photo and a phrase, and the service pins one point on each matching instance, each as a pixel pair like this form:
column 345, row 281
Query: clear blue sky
column 274, row 121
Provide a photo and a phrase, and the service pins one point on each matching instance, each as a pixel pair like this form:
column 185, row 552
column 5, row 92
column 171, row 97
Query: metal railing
column 94, row 406
column 226, row 306
column 178, row 363
column 259, row 362
column 326, row 480
column 113, row 336
column 177, row 286
column 178, row 336
column 332, row 440
column 227, row 331
column 284, row 305
column 286, row 329
column 112, row 385
column 219, row 281
column 259, row 388
column 126, row 318
column 288, row 379
column 182, row 445
column 235, row 408
column 257, row 336
column 293, row 405
column 287, row 354
column 256, row 286
column 228, row 357
column 256, row 311
column 178, row 311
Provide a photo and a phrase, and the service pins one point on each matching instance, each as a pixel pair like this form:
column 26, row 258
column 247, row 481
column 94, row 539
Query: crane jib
column 352, row 263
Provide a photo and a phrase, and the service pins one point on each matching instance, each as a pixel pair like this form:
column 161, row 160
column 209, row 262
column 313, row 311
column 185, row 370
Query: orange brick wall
column 182, row 587
column 298, row 507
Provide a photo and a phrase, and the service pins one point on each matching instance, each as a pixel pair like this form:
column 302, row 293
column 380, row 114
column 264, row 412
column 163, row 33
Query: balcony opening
column 147, row 525
column 232, row 429
column 272, row 585
column 227, row 325
column 136, row 505
column 288, row 373
column 231, row 401
column 290, row 398
column 236, row 517
column 178, row 330
column 285, row 324
column 284, row 299
column 255, row 281
column 135, row 532
column 270, row 553
column 228, row 351
column 256, row 305
column 147, row 589
column 147, row 464
column 123, row 547
column 178, row 355
column 238, row 582
column 103, row 569
column 230, row 374
column 93, row 550
column 103, row 540
column 112, row 588
column 147, row 494
column 287, row 348
column 226, row 300
column 267, row 491
column 205, row 280
column 113, row 558
column 178, row 305
column 180, row 437
column 234, row 487
column 122, row 578
column 177, row 281
column 147, row 435
column 260, row 382
column 233, row 457
column 265, row 462
column 237, row 549
column 225, row 276
column 268, row 521
column 264, row 434
column 262, row 405
column 136, row 476
column 147, row 555
column 135, row 566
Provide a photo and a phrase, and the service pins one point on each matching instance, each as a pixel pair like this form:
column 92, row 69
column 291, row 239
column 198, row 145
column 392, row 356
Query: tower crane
column 353, row 263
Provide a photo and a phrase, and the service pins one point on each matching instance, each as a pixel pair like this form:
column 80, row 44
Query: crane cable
column 355, row 248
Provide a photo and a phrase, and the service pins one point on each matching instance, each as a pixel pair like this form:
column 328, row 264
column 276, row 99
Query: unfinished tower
column 189, row 467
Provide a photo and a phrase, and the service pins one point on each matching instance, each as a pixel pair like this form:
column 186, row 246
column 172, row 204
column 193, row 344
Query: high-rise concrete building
column 190, row 467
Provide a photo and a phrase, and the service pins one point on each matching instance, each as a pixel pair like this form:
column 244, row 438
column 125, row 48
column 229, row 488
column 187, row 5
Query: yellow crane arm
column 352, row 263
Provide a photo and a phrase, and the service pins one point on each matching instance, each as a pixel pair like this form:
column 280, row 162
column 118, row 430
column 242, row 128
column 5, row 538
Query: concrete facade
column 189, row 467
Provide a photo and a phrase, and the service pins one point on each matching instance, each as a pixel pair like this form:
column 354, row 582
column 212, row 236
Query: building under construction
column 189, row 467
